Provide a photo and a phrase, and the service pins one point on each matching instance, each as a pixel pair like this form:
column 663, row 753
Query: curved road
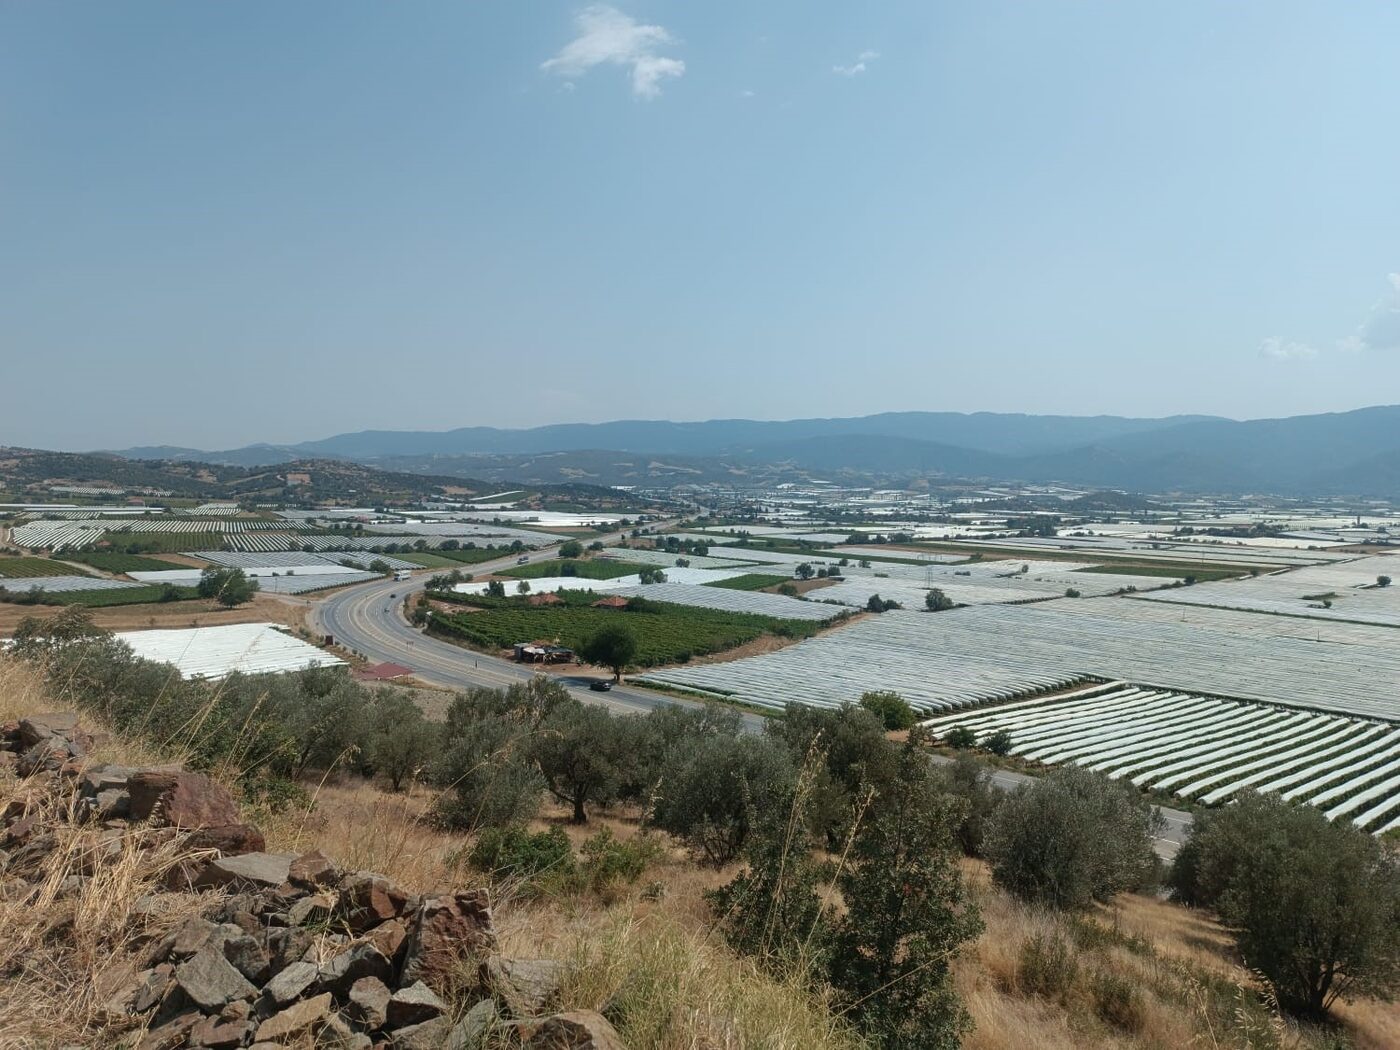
column 369, row 619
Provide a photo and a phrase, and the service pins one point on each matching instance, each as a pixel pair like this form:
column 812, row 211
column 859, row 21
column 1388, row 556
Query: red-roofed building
column 612, row 601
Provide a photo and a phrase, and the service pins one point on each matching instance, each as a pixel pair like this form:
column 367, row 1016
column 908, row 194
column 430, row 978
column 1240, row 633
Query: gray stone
column 414, row 1005
column 289, row 945
column 210, row 980
column 171, row 1034
column 217, row 1034
column 302, row 1017
column 430, row 1035
column 246, row 871
column 473, row 1030
column 249, row 957
column 523, row 987
column 111, row 803
column 359, row 960
column 316, row 908
column 291, row 982
column 100, row 778
column 574, row 1030
column 369, row 1002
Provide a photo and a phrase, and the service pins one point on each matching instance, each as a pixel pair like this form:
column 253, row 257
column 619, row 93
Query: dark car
column 600, row 685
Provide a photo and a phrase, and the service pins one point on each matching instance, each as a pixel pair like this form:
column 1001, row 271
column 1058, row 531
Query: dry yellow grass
column 653, row 957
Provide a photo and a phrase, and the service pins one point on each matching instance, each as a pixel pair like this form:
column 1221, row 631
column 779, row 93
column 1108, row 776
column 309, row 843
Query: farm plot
column 280, row 562
column 216, row 652
column 942, row 661
column 750, row 602
column 56, row 535
column 665, row 633
column 583, row 570
column 24, row 568
column 467, row 529
column 110, row 562
column 1341, row 591
column 1206, row 749
column 1117, row 547
column 666, row 559
column 61, row 584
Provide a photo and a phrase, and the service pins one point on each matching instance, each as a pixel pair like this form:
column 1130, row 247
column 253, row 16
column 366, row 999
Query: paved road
column 369, row 619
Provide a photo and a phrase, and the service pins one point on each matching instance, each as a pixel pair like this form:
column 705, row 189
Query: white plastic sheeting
column 216, row 652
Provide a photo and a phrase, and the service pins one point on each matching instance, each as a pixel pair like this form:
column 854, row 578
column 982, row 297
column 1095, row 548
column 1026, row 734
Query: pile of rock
column 290, row 950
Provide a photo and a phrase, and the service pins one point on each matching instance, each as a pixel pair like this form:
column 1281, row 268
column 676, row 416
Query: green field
column 665, row 633
column 753, row 581
column 428, row 561
column 584, row 570
column 29, row 568
column 162, row 542
column 465, row 556
column 110, row 562
column 154, row 594
column 1176, row 572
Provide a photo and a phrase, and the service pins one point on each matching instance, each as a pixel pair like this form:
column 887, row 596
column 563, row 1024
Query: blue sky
column 222, row 223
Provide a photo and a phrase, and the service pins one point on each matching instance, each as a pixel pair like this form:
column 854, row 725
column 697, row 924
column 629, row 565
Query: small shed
column 542, row 653
column 549, row 598
column 612, row 601
column 383, row 672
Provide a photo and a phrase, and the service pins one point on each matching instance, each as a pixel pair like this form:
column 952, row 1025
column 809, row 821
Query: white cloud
column 1381, row 331
column 858, row 66
column 606, row 36
column 1278, row 349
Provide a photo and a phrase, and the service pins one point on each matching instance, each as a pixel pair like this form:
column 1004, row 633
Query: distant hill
column 32, row 473
column 1347, row 453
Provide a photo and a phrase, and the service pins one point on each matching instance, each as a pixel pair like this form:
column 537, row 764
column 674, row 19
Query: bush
column 1117, row 1000
column 907, row 915
column 960, row 737
column 1072, row 838
column 890, row 708
column 512, row 854
column 970, row 782
column 936, row 601
column 999, row 743
column 1048, row 966
column 1317, row 903
column 713, row 793
column 608, row 863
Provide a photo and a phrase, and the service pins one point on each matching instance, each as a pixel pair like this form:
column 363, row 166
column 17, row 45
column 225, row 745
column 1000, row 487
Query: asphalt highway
column 369, row 619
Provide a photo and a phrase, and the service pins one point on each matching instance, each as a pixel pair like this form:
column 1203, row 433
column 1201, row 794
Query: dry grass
column 647, row 953
column 76, row 936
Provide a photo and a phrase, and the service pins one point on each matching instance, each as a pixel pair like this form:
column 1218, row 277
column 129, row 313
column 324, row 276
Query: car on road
column 522, row 559
column 600, row 685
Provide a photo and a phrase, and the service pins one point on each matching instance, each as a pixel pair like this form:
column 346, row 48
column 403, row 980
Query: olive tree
column 1316, row 902
column 1072, row 838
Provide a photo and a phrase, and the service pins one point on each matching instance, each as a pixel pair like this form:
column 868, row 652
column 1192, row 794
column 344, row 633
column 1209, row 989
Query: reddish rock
column 443, row 931
column 171, row 1034
column 313, row 870
column 299, row 1018
column 180, row 800
column 367, row 899
column 389, row 937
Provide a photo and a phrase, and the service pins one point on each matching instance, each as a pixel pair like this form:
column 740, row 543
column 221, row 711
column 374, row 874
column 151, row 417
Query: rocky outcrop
column 289, row 949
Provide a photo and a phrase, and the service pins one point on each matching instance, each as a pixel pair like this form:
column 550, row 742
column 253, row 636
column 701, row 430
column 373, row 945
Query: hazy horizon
column 226, row 224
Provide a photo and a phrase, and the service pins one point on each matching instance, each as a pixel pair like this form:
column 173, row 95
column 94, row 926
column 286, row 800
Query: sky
column 261, row 221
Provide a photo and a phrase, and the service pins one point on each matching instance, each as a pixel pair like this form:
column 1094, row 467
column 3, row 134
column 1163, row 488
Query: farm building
column 542, row 653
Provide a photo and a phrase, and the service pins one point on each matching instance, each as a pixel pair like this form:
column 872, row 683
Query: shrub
column 1048, row 966
column 936, row 601
column 1072, row 838
column 999, row 743
column 1317, row 903
column 961, row 738
column 966, row 779
column 1117, row 1000
column 516, row 855
column 890, row 708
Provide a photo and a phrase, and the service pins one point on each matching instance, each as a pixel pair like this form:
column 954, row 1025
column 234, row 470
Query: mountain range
column 1353, row 453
